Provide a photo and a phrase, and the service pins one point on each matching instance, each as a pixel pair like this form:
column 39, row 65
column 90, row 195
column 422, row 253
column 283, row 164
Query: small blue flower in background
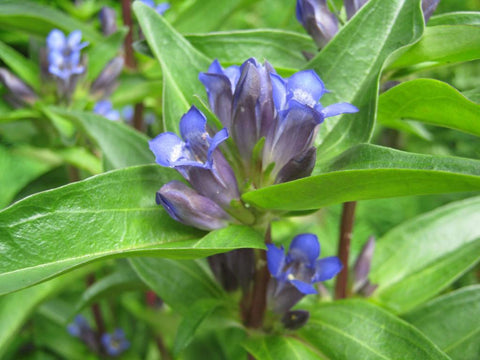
column 294, row 273
column 116, row 343
column 160, row 8
column 104, row 108
column 79, row 326
column 63, row 53
column 318, row 20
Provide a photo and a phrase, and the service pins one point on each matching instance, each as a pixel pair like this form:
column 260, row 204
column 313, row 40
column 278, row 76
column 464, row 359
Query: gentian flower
column 64, row 54
column 104, row 108
column 160, row 8
column 318, row 20
column 81, row 329
column 116, row 343
column 294, row 273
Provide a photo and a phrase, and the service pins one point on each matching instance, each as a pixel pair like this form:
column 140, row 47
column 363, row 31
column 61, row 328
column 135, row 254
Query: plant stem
column 346, row 228
column 127, row 21
column 97, row 313
column 254, row 317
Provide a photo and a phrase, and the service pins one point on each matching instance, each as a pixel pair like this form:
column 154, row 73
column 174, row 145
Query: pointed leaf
column 357, row 329
column 351, row 63
column 371, row 172
column 25, row 69
column 281, row 347
column 456, row 18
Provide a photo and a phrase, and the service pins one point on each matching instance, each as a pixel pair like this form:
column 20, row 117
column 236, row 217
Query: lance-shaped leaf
column 456, row 18
column 419, row 258
column 356, row 329
column 371, row 172
column 181, row 63
column 351, row 63
column 237, row 46
column 430, row 101
column 440, row 45
column 281, row 347
column 25, row 69
column 451, row 322
column 112, row 214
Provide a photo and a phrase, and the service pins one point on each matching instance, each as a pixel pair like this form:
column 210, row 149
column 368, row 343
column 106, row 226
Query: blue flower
column 294, row 273
column 104, row 108
column 116, row 343
column 79, row 326
column 318, row 20
column 63, row 53
column 160, row 8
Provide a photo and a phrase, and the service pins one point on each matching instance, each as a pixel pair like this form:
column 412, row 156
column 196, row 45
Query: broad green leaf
column 18, row 114
column 24, row 165
column 101, row 53
column 441, row 45
column 198, row 312
column 473, row 94
column 267, row 44
column 179, row 283
column 181, row 63
column 38, row 19
column 205, row 15
column 451, row 322
column 121, row 145
column 351, row 63
column 275, row 347
column 456, row 18
column 371, row 172
column 20, row 66
column 419, row 258
column 16, row 308
column 109, row 215
column 356, row 329
column 123, row 279
column 430, row 101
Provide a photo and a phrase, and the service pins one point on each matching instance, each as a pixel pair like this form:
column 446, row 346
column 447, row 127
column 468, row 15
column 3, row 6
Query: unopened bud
column 105, row 82
column 19, row 91
column 108, row 20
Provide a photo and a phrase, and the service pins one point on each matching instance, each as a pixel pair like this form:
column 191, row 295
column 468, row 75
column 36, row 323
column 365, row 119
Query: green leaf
column 419, row 258
column 356, row 329
column 101, row 53
column 135, row 88
column 280, row 347
column 80, row 158
column 16, row 308
column 121, row 145
column 456, row 18
column 24, row 165
column 267, row 44
column 451, row 322
column 17, row 114
column 351, row 63
column 181, row 63
column 108, row 215
column 22, row 67
column 440, row 45
column 198, row 312
column 370, row 172
column 429, row 101
column 179, row 283
column 39, row 20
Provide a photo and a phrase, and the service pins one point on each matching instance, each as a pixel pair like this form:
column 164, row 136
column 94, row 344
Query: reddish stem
column 127, row 20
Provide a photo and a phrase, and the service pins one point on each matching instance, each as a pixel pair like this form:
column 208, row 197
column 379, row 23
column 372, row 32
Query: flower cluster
column 272, row 123
column 294, row 273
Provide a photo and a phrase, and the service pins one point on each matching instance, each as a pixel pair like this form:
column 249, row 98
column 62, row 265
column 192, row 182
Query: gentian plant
column 239, row 180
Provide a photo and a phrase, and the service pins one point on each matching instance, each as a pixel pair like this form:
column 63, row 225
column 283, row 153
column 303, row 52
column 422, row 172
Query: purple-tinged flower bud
column 20, row 92
column 234, row 269
column 352, row 6
column 361, row 270
column 105, row 83
column 189, row 207
column 116, row 343
column 298, row 167
column 104, row 108
column 81, row 329
column 318, row 20
column 428, row 7
column 294, row 273
column 108, row 20
column 295, row 319
column 160, row 8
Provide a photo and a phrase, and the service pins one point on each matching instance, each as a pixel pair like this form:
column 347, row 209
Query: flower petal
column 303, row 287
column 169, row 149
column 275, row 259
column 279, row 91
column 336, row 109
column 56, row 40
column 304, row 248
column 220, row 95
column 327, row 268
column 306, row 87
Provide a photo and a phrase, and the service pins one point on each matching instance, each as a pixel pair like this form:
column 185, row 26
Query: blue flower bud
column 361, row 270
column 352, row 6
column 108, row 20
column 294, row 273
column 116, row 343
column 428, row 7
column 105, row 83
column 80, row 328
column 318, row 20
column 20, row 93
column 190, row 208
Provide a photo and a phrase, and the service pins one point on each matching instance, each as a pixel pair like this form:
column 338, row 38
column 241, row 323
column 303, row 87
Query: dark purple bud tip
column 295, row 319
